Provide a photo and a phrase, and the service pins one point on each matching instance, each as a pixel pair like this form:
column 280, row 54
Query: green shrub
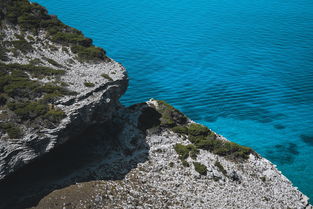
column 3, row 54
column 28, row 110
column 22, row 45
column 185, row 163
column 52, row 62
column 171, row 164
column 72, row 38
column 233, row 151
column 200, row 168
column 36, row 71
column 106, row 76
column 184, row 151
column 33, row 17
column 3, row 99
column 220, row 167
column 88, row 84
column 35, row 61
column 21, row 88
column 12, row 130
column 88, row 53
column 180, row 129
column 195, row 129
column 54, row 115
column 171, row 117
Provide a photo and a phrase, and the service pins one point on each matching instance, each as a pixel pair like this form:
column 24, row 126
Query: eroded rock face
column 161, row 180
column 92, row 104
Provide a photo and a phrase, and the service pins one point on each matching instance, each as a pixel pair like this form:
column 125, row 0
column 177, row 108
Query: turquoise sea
column 244, row 68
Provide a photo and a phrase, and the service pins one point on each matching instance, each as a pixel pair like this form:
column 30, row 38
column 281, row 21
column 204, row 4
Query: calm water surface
column 242, row 67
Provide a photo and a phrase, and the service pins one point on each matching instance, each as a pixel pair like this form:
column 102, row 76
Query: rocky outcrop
column 161, row 180
column 94, row 104
column 104, row 155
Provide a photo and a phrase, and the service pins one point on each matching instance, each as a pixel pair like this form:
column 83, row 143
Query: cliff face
column 61, row 123
column 81, row 90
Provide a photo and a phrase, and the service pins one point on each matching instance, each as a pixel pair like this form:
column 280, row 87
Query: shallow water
column 242, row 67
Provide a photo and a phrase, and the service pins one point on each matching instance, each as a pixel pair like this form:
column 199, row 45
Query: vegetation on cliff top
column 28, row 102
column 200, row 136
column 34, row 18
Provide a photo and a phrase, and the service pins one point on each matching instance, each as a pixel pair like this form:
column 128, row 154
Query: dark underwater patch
column 279, row 126
column 283, row 153
column 307, row 139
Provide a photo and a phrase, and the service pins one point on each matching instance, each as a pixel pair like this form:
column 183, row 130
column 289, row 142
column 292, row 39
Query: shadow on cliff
column 105, row 151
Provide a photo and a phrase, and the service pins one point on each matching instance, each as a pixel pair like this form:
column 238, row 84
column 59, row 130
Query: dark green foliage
column 54, row 115
column 185, row 163
column 36, row 71
column 200, row 168
column 3, row 54
column 88, row 53
column 89, row 84
column 171, row 164
column 184, row 151
column 195, row 129
column 171, row 117
column 3, row 99
column 106, row 76
column 35, row 61
column 72, row 38
column 22, row 45
column 33, row 17
column 54, row 63
column 12, row 130
column 28, row 110
column 51, row 88
column 180, row 129
column 29, row 102
column 220, row 167
column 232, row 150
column 263, row 178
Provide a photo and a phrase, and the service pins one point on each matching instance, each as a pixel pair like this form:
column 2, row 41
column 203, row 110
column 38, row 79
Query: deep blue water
column 242, row 67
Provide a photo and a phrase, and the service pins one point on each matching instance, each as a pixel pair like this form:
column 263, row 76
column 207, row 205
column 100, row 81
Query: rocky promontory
column 67, row 142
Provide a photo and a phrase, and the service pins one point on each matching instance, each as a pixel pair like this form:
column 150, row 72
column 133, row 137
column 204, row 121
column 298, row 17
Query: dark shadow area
column 279, row 126
column 307, row 139
column 81, row 159
column 283, row 153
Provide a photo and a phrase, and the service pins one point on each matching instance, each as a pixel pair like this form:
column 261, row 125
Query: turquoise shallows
column 242, row 67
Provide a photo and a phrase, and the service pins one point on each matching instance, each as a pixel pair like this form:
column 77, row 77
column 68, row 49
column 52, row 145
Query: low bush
column 3, row 54
column 171, row 117
column 195, row 129
column 3, row 99
column 220, row 167
column 106, row 76
column 88, row 53
column 54, row 63
column 180, row 129
column 22, row 45
column 200, row 168
column 89, row 84
column 54, row 115
column 184, row 151
column 13, row 131
column 28, row 110
column 33, row 17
